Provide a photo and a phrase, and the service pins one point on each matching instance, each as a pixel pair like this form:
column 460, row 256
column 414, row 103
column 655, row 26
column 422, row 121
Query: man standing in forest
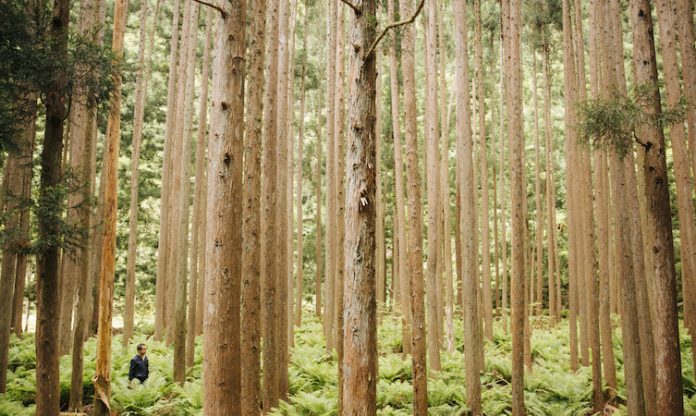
column 139, row 365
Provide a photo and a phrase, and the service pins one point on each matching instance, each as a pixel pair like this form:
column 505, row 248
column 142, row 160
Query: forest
column 347, row 207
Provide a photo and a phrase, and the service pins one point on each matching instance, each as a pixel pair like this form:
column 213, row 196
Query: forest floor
column 551, row 388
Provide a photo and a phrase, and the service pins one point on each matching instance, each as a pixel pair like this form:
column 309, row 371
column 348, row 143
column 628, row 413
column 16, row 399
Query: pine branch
column 352, row 6
column 215, row 5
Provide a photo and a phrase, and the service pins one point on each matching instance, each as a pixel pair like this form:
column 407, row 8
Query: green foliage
column 613, row 122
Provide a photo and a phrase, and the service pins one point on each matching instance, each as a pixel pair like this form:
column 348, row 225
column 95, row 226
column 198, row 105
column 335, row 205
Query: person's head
column 142, row 349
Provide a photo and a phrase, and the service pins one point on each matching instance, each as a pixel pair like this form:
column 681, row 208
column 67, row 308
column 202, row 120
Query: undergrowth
column 551, row 388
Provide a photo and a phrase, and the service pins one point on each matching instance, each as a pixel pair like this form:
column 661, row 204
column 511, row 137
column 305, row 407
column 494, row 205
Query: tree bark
column 269, row 188
column 142, row 78
column 360, row 315
column 300, row 152
column 465, row 167
column 404, row 280
column 195, row 304
column 415, row 224
column 318, row 244
column 221, row 321
column 102, row 378
column 517, row 187
column 251, row 404
column 432, row 138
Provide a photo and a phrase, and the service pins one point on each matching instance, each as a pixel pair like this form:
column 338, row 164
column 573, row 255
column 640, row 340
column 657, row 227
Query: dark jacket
column 139, row 368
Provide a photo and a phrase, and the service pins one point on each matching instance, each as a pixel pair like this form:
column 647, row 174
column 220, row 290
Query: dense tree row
column 273, row 169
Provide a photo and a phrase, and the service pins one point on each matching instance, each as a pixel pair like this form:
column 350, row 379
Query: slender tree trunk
column 221, row 321
column 15, row 196
column 360, row 331
column 380, row 243
column 517, row 187
column 340, row 157
column 465, row 167
column 195, row 303
column 330, row 185
column 669, row 398
column 483, row 149
column 404, row 280
column 269, row 189
column 164, row 242
column 251, row 404
column 48, row 283
column 415, row 231
column 281, row 169
column 143, row 76
column 102, row 382
column 183, row 199
column 290, row 206
column 318, row 244
column 432, row 137
column 300, row 151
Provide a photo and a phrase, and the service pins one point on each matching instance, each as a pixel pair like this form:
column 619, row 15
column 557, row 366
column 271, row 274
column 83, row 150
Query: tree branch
column 393, row 26
column 352, row 6
column 215, row 5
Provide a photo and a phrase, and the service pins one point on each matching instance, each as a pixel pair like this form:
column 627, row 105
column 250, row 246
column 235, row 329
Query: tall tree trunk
column 666, row 331
column 183, row 197
column 537, row 295
column 360, row 331
column 483, row 149
column 432, row 138
column 400, row 212
column 221, row 321
column 269, row 188
column 415, row 224
column 142, row 78
column 48, row 283
column 195, row 310
column 569, row 84
column 15, row 196
column 281, row 169
column 517, row 190
column 90, row 20
column 380, row 243
column 340, row 157
column 102, row 378
column 290, row 175
column 164, row 243
column 251, row 404
column 300, row 151
column 318, row 244
column 465, row 167
column 330, row 175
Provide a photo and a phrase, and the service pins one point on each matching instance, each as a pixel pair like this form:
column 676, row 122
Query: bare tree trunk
column 251, row 404
column 290, row 206
column 517, row 190
column 221, row 321
column 415, row 224
column 281, row 169
column 330, row 185
column 269, row 189
column 380, row 244
column 360, row 331
column 197, row 268
column 163, row 260
column 318, row 244
column 432, row 138
column 102, row 382
column 182, row 198
column 465, row 167
column 143, row 76
column 15, row 195
column 404, row 280
column 340, row 157
column 300, row 151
